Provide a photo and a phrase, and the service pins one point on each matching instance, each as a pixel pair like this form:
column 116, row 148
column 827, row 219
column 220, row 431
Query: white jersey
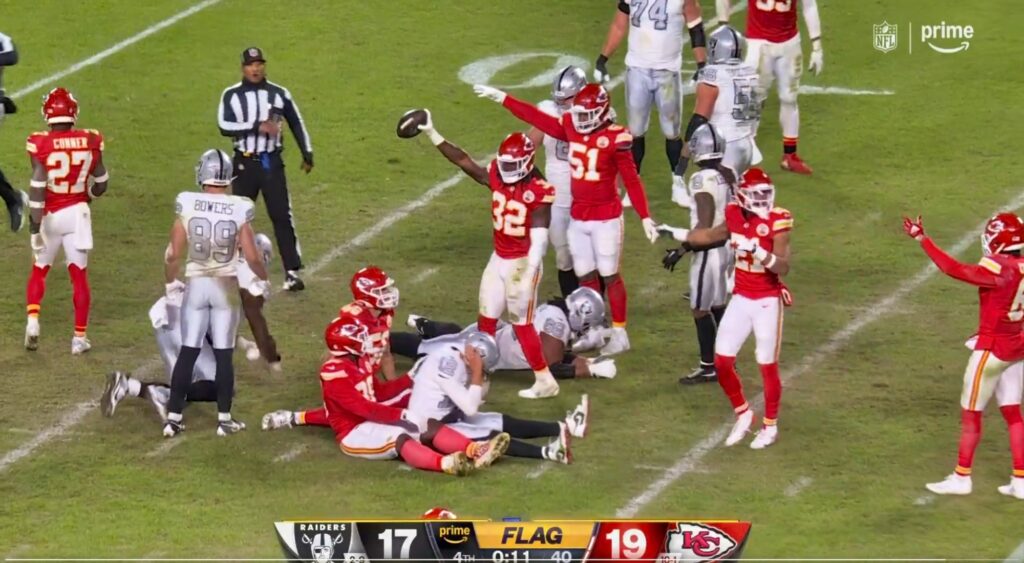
column 656, row 30
column 212, row 223
column 737, row 108
column 556, row 159
column 441, row 385
column 547, row 319
column 711, row 182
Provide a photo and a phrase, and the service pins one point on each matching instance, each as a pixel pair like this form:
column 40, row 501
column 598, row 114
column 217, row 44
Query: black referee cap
column 252, row 54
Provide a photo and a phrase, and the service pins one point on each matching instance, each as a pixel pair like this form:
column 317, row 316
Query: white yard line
column 1017, row 556
column 924, row 500
column 688, row 462
column 165, row 446
column 798, row 486
column 291, row 454
column 839, row 90
column 539, row 471
column 423, row 275
column 70, row 420
column 113, row 49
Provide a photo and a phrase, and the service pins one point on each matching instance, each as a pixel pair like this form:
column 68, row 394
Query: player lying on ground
column 521, row 211
column 375, row 300
column 995, row 366
column 562, row 324
column 368, row 416
column 759, row 234
column 599, row 151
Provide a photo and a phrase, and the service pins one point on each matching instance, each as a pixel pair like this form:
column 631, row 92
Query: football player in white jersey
column 556, row 167
column 210, row 227
column 653, row 64
column 728, row 97
column 560, row 323
column 711, row 187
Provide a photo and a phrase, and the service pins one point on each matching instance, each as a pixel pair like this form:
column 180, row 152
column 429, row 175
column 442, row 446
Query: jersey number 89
column 217, row 240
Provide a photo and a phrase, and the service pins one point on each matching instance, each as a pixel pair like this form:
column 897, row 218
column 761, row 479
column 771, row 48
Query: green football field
column 873, row 350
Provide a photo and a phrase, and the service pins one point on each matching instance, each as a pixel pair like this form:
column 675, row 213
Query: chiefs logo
column 528, row 196
column 692, row 542
column 762, row 230
column 602, row 142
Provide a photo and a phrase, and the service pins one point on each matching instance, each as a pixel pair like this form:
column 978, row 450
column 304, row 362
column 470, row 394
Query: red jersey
column 772, row 20
column 1000, row 281
column 512, row 208
column 595, row 161
column 753, row 280
column 352, row 394
column 379, row 326
column 69, row 158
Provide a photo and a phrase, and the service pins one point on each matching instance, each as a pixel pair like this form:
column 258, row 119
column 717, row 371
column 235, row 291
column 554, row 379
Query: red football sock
column 450, row 441
column 36, row 288
column 617, row 301
column 315, row 417
column 487, row 324
column 772, row 392
column 81, row 297
column 730, row 382
column 419, row 456
column 1015, row 425
column 594, row 283
column 970, row 435
column 529, row 340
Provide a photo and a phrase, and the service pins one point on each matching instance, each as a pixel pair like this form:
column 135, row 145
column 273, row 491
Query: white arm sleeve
column 538, row 246
column 467, row 400
column 811, row 19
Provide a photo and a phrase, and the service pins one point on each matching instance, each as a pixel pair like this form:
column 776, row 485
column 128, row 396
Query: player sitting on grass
column 367, row 417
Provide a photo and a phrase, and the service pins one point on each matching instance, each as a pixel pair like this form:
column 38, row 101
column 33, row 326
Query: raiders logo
column 762, row 230
column 528, row 196
column 602, row 142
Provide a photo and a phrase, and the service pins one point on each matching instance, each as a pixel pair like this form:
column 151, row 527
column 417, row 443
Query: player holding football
column 567, row 84
column 599, row 151
column 773, row 47
column 368, row 416
column 375, row 300
column 759, row 234
column 995, row 366
column 521, row 208
column 64, row 159
column 653, row 63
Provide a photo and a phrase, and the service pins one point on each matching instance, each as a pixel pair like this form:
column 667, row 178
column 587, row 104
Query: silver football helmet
column 706, row 143
column 214, row 169
column 486, row 346
column 567, row 84
column 265, row 246
column 726, row 46
column 586, row 309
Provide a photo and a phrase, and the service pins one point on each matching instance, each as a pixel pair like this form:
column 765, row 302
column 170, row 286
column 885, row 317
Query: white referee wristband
column 435, row 137
column 37, row 183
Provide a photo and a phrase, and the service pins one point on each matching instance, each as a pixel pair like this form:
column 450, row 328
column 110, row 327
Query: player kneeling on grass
column 575, row 323
column 448, row 385
column 995, row 366
column 368, row 421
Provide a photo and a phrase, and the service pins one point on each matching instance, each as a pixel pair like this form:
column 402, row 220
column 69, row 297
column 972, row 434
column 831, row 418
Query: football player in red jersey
column 376, row 299
column 63, row 161
column 759, row 233
column 368, row 416
column 599, row 151
column 773, row 47
column 521, row 211
column 995, row 366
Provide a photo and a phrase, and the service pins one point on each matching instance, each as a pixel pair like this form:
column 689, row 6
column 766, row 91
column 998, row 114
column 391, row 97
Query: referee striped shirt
column 245, row 105
column 8, row 56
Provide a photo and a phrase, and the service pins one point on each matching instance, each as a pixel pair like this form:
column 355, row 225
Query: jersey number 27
column 59, row 165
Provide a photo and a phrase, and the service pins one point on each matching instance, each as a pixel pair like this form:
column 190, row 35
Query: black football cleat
column 703, row 374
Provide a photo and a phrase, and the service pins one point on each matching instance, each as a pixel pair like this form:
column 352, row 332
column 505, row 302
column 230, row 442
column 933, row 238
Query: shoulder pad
column 615, row 128
column 334, row 369
column 781, row 211
column 991, row 264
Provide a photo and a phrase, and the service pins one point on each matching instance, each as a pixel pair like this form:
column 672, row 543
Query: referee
column 250, row 113
column 14, row 199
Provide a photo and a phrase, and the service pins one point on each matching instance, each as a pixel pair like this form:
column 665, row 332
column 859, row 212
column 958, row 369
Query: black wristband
column 695, row 121
column 697, row 38
column 563, row 371
column 624, row 7
column 602, row 60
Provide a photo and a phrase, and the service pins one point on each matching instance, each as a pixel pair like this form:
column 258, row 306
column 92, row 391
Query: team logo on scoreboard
column 318, row 542
column 692, row 542
column 322, row 546
column 454, row 534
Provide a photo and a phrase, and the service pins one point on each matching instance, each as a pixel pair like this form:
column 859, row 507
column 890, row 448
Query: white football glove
column 175, row 292
column 260, row 288
column 38, row 242
column 490, row 93
column 590, row 340
column 650, row 230
column 604, row 369
column 749, row 245
column 417, row 419
column 817, row 61
column 428, row 128
column 679, row 235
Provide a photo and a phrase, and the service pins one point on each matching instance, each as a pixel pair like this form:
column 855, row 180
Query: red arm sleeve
column 385, row 390
column 354, row 402
column 970, row 273
column 634, row 187
column 529, row 113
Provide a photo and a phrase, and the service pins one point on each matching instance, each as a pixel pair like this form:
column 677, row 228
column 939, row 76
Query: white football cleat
column 680, row 195
column 558, row 450
column 540, row 390
column 1014, row 489
column 228, row 427
column 618, row 343
column 159, row 396
column 578, row 419
column 603, row 368
column 486, row 452
column 116, row 389
column 32, row 333
column 172, row 429
column 80, row 345
column 740, row 429
column 765, row 437
column 953, row 484
column 277, row 419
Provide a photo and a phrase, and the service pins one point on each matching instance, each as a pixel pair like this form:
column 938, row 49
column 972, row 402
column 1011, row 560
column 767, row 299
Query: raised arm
column 984, row 274
column 454, row 154
column 616, row 32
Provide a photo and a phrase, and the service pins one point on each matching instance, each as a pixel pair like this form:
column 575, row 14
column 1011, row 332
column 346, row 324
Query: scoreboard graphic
column 487, row 541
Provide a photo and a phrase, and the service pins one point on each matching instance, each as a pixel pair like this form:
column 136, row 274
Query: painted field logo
column 946, row 31
column 885, row 36
column 691, row 542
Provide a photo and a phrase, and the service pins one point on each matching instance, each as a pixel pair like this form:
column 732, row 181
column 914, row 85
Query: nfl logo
column 885, row 36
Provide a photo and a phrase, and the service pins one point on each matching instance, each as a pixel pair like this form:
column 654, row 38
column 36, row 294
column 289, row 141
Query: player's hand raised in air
column 490, row 93
column 913, row 227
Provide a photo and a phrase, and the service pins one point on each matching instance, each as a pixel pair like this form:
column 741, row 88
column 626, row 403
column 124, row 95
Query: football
column 408, row 124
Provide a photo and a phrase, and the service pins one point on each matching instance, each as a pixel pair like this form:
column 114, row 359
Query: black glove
column 672, row 256
column 601, row 69
column 9, row 107
column 697, row 72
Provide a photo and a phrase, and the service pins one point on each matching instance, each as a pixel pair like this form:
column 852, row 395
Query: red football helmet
column 590, row 108
column 375, row 287
column 756, row 193
column 59, row 106
column 347, row 335
column 1003, row 233
column 439, row 513
column 515, row 157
